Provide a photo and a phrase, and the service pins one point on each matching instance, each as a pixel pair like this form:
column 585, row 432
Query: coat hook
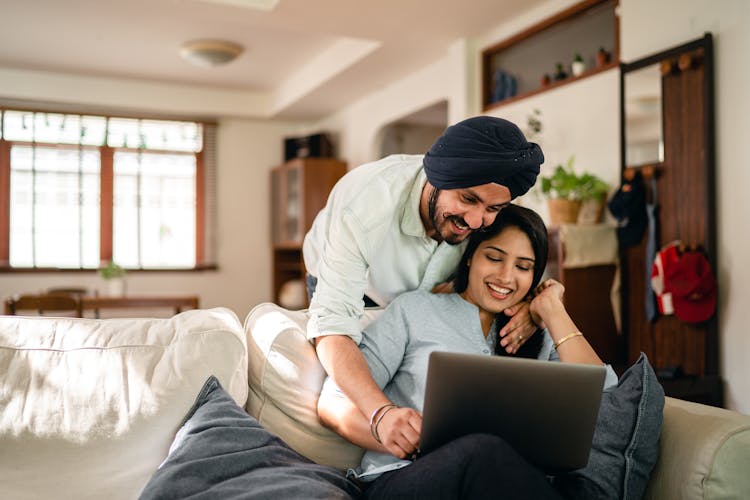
column 685, row 62
column 648, row 171
column 667, row 67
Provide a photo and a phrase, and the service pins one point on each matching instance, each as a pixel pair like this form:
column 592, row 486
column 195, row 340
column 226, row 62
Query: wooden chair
column 41, row 303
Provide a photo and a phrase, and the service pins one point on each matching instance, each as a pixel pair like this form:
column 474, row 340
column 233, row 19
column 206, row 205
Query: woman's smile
column 499, row 292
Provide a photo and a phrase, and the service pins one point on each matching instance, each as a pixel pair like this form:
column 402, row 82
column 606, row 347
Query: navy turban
column 482, row 150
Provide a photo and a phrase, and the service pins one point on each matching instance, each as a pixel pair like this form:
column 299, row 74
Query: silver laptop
column 546, row 410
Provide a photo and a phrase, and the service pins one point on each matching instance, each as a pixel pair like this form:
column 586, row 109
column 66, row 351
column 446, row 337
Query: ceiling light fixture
column 210, row 53
column 266, row 5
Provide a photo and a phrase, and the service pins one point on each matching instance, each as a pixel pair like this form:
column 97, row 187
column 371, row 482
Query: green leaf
column 566, row 183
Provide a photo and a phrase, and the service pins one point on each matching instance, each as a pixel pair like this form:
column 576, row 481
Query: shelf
column 552, row 86
column 299, row 188
column 526, row 57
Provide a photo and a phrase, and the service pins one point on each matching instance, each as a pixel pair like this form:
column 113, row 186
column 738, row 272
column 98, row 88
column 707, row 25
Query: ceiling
column 311, row 56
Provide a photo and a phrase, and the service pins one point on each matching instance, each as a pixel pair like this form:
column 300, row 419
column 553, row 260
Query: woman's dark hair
column 533, row 227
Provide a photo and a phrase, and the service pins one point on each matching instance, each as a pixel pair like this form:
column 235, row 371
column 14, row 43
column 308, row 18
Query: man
column 399, row 224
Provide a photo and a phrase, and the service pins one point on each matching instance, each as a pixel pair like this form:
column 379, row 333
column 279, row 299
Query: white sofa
column 89, row 408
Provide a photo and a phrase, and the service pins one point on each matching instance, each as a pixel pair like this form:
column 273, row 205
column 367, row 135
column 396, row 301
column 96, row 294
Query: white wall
column 406, row 138
column 359, row 127
column 581, row 120
column 648, row 27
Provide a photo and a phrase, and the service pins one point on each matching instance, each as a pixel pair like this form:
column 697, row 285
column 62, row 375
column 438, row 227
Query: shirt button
column 486, row 351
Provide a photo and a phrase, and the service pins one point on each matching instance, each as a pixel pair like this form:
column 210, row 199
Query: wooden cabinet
column 588, row 293
column 299, row 190
column 520, row 62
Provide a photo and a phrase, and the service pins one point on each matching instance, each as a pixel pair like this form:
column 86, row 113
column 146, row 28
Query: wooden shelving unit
column 583, row 29
column 299, row 190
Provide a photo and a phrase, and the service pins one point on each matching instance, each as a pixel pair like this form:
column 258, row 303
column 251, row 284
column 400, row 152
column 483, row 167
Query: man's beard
column 452, row 238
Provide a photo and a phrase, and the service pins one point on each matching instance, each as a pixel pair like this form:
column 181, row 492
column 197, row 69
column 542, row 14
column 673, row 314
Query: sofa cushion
column 625, row 446
column 286, row 378
column 222, row 452
column 90, row 407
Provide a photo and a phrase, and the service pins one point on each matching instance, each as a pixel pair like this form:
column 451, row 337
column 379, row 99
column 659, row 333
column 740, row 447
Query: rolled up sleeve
column 337, row 303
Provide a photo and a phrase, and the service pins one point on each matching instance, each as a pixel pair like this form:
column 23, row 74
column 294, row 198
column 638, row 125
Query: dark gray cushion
column 626, row 440
column 222, row 452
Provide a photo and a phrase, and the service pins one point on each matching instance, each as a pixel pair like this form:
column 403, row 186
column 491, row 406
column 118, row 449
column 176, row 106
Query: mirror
column 644, row 138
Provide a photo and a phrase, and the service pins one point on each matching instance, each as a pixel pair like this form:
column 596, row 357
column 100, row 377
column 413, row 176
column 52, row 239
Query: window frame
column 106, row 205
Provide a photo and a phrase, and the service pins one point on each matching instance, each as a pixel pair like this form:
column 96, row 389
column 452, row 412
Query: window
column 77, row 191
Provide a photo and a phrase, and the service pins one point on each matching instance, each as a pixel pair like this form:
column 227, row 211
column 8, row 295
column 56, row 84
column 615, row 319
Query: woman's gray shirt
column 397, row 346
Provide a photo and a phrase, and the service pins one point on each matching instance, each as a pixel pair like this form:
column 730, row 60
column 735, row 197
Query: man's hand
column 520, row 327
column 445, row 287
column 399, row 431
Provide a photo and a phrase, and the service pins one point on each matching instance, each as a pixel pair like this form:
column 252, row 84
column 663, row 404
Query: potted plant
column 114, row 277
column 578, row 66
column 567, row 190
column 560, row 73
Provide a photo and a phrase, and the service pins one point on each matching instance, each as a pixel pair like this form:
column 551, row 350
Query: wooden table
column 178, row 302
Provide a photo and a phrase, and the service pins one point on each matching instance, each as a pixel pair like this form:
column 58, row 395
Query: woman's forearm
column 574, row 349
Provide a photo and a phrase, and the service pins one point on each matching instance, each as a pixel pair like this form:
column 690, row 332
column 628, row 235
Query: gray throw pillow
column 222, row 452
column 626, row 440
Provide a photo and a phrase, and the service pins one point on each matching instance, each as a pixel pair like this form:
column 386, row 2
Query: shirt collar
column 411, row 222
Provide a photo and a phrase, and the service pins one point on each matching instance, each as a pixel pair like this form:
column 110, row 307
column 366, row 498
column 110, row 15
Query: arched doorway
column 416, row 132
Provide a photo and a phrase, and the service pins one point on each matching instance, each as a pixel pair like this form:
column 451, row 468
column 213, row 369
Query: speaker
column 311, row 146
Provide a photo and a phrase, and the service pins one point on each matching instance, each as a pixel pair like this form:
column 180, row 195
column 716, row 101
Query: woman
column 499, row 269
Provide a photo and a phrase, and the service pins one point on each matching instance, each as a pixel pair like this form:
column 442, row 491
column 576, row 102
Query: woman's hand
column 399, row 431
column 520, row 327
column 548, row 298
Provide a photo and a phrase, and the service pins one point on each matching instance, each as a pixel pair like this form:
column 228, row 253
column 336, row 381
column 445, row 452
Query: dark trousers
column 473, row 466
column 311, row 282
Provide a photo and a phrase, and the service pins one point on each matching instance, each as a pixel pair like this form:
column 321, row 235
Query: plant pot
column 562, row 211
column 592, row 211
column 116, row 287
column 602, row 58
column 577, row 68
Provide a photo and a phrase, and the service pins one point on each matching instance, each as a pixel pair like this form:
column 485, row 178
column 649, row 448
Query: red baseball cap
column 693, row 287
column 665, row 257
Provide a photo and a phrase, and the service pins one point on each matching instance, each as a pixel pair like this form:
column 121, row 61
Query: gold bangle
column 568, row 337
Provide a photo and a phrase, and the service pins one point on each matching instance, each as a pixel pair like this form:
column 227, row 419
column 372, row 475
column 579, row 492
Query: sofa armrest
column 285, row 379
column 704, row 452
